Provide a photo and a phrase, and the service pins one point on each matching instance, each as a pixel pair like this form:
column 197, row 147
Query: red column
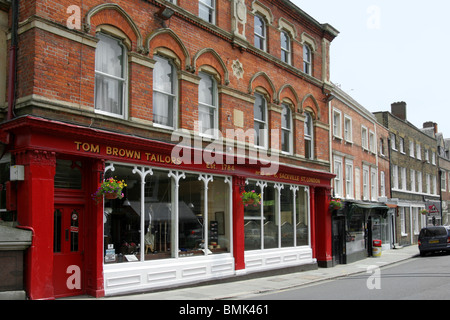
column 238, row 223
column 94, row 231
column 35, row 202
column 312, row 210
column 324, row 248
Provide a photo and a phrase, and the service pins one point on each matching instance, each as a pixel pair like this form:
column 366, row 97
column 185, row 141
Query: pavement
column 251, row 288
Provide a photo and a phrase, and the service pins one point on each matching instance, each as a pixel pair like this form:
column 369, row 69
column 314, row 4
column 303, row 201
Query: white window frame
column 419, row 182
column 395, row 180
column 366, row 181
column 349, row 189
column 411, row 149
column 338, row 171
column 211, row 11
column 214, row 107
column 287, row 56
column 337, row 123
column 372, row 144
column 289, row 130
column 123, row 80
column 265, row 138
column 403, row 178
column 364, row 138
column 348, row 135
column 393, row 142
column 382, row 184
column 307, row 59
column 412, row 175
column 373, row 184
column 173, row 95
column 263, row 36
column 419, row 151
column 309, row 137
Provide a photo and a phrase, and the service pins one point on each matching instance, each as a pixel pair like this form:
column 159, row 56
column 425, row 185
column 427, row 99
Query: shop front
column 355, row 227
column 171, row 224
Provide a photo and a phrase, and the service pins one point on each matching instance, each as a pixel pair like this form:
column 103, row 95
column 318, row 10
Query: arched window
column 307, row 59
column 260, row 121
column 208, row 105
column 260, row 33
column 286, row 128
column 285, row 47
column 309, row 136
column 110, row 76
column 164, row 93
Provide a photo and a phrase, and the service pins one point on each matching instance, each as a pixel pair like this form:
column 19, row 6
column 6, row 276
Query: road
column 420, row 278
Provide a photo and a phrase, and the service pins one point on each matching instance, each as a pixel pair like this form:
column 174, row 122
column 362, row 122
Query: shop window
column 110, row 76
column 164, row 93
column 270, row 218
column 280, row 220
column 123, row 223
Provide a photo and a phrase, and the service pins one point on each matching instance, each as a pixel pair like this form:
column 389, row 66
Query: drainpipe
column 13, row 60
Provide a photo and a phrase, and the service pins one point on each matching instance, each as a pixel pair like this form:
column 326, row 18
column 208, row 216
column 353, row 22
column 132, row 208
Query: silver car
column 434, row 239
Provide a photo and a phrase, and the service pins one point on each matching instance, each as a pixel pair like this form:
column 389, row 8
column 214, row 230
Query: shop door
column 339, row 240
column 68, row 250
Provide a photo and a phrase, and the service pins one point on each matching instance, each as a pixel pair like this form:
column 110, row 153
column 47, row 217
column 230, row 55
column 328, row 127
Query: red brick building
column 360, row 161
column 189, row 103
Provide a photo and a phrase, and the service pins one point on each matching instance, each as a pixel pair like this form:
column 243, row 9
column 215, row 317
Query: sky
column 390, row 51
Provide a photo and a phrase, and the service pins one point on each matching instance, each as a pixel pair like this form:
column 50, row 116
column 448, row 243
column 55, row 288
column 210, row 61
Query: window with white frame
column 110, row 76
column 286, row 128
column 394, row 181
column 382, row 151
column 427, row 155
column 393, row 142
column 364, row 138
column 309, row 136
column 338, row 183
column 403, row 178
column 349, row 179
column 260, row 32
column 208, row 105
column 434, row 185
column 337, row 131
column 366, row 178
column 372, row 145
column 415, row 213
column 419, row 182
column 307, row 59
column 403, row 220
column 348, row 129
column 411, row 149
column 164, row 93
column 433, row 158
column 428, row 183
column 373, row 183
column 382, row 184
column 285, row 47
column 412, row 174
column 443, row 180
column 419, row 152
column 207, row 10
column 401, row 145
column 260, row 121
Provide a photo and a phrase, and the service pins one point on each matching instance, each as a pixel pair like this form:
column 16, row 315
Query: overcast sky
column 389, row 51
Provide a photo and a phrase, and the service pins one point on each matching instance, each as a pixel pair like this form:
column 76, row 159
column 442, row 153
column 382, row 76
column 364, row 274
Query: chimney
column 431, row 124
column 398, row 109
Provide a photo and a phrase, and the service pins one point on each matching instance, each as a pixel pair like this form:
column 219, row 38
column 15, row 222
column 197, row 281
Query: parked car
column 434, row 239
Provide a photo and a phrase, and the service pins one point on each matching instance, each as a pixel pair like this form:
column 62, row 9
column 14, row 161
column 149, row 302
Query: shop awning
column 373, row 207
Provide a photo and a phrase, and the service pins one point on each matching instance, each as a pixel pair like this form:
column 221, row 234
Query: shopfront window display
column 281, row 220
column 123, row 224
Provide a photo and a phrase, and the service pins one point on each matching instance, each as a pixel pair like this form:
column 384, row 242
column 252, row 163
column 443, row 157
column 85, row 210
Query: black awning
column 373, row 207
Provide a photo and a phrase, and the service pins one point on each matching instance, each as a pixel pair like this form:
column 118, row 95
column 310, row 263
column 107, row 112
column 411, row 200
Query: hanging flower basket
column 424, row 211
column 251, row 198
column 335, row 204
column 111, row 189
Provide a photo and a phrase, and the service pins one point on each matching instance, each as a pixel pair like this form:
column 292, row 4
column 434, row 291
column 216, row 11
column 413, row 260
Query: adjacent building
column 189, row 103
column 414, row 174
column 360, row 161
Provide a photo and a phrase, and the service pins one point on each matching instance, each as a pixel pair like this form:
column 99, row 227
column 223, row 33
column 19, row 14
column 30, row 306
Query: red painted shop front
column 81, row 246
